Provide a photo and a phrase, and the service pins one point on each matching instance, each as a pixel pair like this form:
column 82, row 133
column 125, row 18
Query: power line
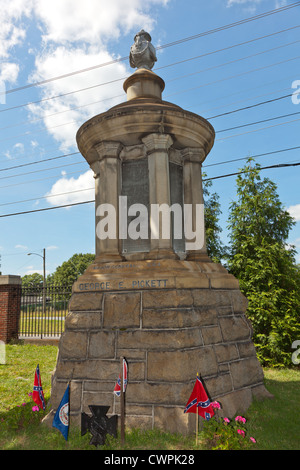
column 74, row 153
column 177, row 78
column 39, row 161
column 174, row 43
column 158, row 68
column 182, row 91
column 282, row 165
column 253, row 156
column 204, row 166
column 257, row 122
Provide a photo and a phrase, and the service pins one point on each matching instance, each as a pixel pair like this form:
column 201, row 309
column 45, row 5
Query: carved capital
column 193, row 155
column 157, row 142
column 107, row 149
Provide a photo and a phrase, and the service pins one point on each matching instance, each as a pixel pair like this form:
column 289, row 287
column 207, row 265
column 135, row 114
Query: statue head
column 142, row 52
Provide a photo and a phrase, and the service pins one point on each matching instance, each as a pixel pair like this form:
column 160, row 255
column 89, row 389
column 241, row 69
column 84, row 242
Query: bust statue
column 142, row 52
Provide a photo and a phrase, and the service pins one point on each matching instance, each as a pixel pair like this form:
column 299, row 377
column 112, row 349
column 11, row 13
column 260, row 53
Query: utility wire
column 204, row 166
column 177, row 78
column 282, row 165
column 77, row 153
column 158, row 68
column 174, row 43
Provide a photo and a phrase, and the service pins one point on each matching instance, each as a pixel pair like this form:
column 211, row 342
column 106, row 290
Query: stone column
column 10, row 307
column 107, row 171
column 157, row 146
column 193, row 194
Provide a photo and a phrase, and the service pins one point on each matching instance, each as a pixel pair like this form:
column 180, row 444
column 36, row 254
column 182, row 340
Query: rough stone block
column 223, row 281
column 219, row 385
column 235, row 328
column 235, row 403
column 168, row 298
column 97, row 369
column 172, row 420
column 211, row 335
column 96, row 398
column 73, row 345
column 226, row 352
column 86, row 301
column 122, row 310
column 158, row 393
column 211, row 298
column 246, row 372
column 178, row 366
column 160, row 339
column 83, row 320
column 246, row 349
column 102, row 344
column 239, row 302
column 178, row 318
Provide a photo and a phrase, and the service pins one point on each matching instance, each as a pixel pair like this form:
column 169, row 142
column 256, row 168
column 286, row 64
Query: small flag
column 117, row 389
column 61, row 418
column 199, row 401
column 38, row 394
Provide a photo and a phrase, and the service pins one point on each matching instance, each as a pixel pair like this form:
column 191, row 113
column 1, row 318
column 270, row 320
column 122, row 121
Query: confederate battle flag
column 199, row 401
column 38, row 394
column 117, row 389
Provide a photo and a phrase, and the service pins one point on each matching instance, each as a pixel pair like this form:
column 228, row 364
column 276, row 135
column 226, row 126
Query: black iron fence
column 43, row 310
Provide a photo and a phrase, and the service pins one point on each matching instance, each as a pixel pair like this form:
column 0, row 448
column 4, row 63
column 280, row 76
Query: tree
column 265, row 265
column 70, row 270
column 32, row 280
column 212, row 211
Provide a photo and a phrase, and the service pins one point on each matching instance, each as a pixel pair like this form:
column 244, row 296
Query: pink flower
column 23, row 404
column 226, row 420
column 29, row 394
column 216, row 405
column 240, row 419
column 241, row 432
column 253, row 440
column 35, row 408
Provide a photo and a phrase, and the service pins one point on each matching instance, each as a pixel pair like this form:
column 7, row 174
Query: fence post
column 10, row 307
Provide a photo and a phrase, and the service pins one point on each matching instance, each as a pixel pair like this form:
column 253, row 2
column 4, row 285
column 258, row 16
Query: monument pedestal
column 170, row 319
column 156, row 300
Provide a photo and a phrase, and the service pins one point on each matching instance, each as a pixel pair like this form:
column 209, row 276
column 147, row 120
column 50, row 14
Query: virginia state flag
column 199, row 401
column 117, row 389
column 38, row 394
column 61, row 418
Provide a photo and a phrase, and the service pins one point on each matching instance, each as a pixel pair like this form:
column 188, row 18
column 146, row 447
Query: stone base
column 170, row 319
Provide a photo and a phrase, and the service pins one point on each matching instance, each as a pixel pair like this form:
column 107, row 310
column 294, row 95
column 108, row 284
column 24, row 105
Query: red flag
column 38, row 394
column 117, row 389
column 199, row 401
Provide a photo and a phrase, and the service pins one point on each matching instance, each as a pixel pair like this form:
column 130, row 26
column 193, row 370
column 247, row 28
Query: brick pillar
column 10, row 307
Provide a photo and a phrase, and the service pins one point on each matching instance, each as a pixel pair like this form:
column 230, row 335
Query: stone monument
column 157, row 300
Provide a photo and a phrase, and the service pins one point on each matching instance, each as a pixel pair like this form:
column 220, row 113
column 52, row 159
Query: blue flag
column 61, row 418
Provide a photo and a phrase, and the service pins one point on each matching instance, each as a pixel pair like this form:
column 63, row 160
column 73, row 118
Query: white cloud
column 251, row 5
column 57, row 112
column 23, row 247
column 78, row 36
column 75, row 187
column 295, row 212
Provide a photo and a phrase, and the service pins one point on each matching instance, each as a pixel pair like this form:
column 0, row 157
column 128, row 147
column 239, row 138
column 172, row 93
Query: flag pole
column 197, row 419
column 122, row 396
column 197, row 426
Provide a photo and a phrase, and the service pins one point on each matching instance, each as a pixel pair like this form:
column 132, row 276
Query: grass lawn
column 273, row 423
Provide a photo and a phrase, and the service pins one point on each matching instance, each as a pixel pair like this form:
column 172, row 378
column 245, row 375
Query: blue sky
column 227, row 69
